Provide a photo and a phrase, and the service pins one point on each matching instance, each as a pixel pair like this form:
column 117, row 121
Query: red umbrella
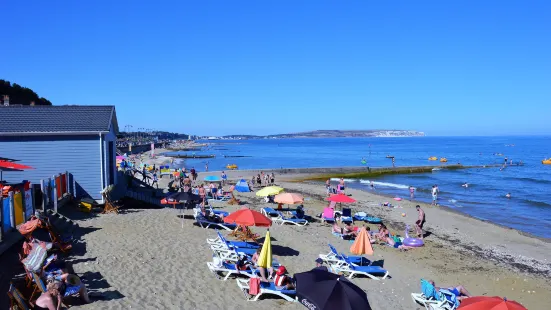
column 11, row 166
column 340, row 198
column 248, row 217
column 489, row 303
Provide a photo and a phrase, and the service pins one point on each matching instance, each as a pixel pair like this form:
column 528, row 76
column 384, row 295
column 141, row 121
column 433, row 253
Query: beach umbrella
column 362, row 244
column 265, row 257
column 489, row 303
column 11, row 166
column 269, row 191
column 289, row 198
column 212, row 178
column 242, row 186
column 340, row 198
column 319, row 289
column 248, row 217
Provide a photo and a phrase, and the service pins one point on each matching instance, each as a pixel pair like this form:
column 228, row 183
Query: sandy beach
column 146, row 259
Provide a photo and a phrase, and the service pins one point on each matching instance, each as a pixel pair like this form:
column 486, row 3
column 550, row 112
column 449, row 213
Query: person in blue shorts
column 459, row 291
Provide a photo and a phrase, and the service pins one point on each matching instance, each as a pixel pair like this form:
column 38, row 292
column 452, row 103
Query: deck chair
column 328, row 215
column 110, row 202
column 334, row 258
column 205, row 223
column 17, row 301
column 281, row 219
column 220, row 240
column 229, row 270
column 269, row 212
column 265, row 288
column 435, row 300
column 232, row 255
column 351, row 270
column 346, row 215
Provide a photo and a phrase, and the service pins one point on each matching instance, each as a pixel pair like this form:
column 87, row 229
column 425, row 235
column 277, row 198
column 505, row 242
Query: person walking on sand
column 411, row 192
column 224, row 178
column 420, row 221
column 434, row 195
column 272, row 178
column 155, row 180
column 144, row 174
column 328, row 186
column 193, row 174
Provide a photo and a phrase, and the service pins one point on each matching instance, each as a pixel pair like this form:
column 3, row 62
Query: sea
column 528, row 209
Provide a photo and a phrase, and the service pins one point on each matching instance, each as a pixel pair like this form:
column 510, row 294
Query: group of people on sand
column 263, row 179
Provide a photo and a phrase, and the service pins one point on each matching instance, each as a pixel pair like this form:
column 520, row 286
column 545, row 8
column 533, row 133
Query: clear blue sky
column 225, row 67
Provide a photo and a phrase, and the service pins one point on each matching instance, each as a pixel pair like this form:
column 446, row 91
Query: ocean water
column 529, row 208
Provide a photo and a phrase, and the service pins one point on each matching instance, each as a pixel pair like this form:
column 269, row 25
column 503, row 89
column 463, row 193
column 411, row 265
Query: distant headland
column 331, row 134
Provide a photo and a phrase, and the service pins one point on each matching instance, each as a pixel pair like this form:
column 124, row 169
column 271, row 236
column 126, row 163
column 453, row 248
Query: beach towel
column 328, row 213
column 36, row 258
column 29, row 226
column 254, row 286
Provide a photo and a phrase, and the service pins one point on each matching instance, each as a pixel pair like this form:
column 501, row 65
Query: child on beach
column 155, row 180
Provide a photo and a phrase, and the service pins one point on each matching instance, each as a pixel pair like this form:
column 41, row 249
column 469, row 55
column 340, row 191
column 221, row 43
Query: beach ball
column 403, row 214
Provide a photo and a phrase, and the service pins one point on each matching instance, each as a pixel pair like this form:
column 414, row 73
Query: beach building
column 56, row 139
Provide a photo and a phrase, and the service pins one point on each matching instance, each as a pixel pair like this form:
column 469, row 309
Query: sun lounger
column 328, row 216
column 220, row 240
column 346, row 215
column 218, row 212
column 17, row 301
column 351, row 270
column 205, row 223
column 435, row 300
column 281, row 219
column 229, row 269
column 334, row 258
column 269, row 212
column 265, row 288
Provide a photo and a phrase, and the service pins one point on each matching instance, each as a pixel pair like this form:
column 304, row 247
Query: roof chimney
column 6, row 100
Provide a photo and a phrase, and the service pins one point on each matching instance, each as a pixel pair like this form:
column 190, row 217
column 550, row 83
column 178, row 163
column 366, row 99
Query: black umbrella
column 318, row 290
column 184, row 197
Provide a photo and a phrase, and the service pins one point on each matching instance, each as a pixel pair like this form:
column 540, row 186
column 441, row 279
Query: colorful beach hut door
column 6, row 214
column 18, row 209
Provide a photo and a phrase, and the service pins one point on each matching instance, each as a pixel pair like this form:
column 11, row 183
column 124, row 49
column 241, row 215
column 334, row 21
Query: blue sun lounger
column 230, row 269
column 269, row 212
column 281, row 219
column 265, row 288
column 218, row 212
column 334, row 258
column 205, row 223
column 220, row 240
column 352, row 270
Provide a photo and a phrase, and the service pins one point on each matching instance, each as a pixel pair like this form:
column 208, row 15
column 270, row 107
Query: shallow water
column 529, row 209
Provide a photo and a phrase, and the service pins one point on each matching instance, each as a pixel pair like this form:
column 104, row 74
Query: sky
column 268, row 67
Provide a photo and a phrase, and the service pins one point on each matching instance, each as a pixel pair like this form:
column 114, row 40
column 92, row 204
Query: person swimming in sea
column 508, row 196
column 465, row 184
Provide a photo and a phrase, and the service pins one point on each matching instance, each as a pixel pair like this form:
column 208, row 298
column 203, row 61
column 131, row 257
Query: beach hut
column 242, row 186
column 56, row 139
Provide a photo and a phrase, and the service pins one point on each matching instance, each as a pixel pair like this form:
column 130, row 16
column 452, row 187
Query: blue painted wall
column 51, row 155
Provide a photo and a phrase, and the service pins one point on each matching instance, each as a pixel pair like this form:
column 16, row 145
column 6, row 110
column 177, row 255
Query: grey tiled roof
column 56, row 119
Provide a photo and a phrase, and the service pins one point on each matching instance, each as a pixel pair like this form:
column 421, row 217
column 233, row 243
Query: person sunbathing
column 57, row 289
column 459, row 291
column 383, row 233
column 397, row 244
column 343, row 231
column 282, row 281
column 349, row 229
column 254, row 259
